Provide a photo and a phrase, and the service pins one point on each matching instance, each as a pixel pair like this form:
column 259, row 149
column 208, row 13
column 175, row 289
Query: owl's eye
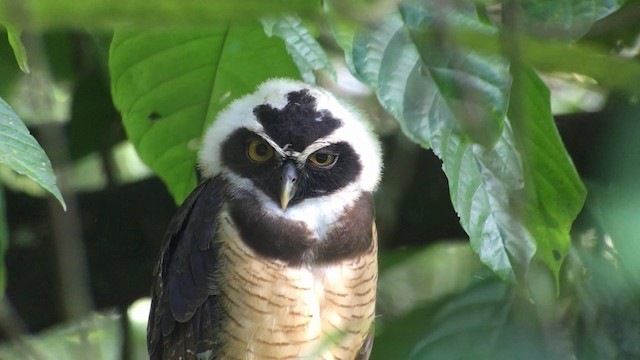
column 323, row 159
column 259, row 151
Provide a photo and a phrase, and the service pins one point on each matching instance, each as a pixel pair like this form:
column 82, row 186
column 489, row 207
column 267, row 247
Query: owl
column 274, row 254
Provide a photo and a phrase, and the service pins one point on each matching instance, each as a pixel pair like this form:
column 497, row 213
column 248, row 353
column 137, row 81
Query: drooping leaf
column 511, row 198
column 553, row 194
column 481, row 180
column 564, row 18
column 22, row 153
column 18, row 49
column 301, row 45
column 170, row 83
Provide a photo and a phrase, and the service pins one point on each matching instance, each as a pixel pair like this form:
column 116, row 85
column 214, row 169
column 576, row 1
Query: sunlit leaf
column 303, row 47
column 22, row 153
column 170, row 83
column 18, row 49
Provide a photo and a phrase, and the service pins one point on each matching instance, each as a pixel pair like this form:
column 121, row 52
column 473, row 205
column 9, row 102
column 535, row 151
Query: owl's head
column 292, row 144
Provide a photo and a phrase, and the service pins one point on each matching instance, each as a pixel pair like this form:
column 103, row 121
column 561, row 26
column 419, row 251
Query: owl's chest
column 276, row 311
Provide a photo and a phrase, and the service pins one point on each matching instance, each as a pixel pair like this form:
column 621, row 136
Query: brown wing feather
column 183, row 316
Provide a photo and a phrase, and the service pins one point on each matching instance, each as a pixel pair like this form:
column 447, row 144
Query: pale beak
column 288, row 180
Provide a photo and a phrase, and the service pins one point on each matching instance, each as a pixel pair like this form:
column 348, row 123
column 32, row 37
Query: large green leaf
column 22, row 153
column 553, row 193
column 387, row 59
column 170, row 83
column 303, row 47
column 564, row 18
column 510, row 197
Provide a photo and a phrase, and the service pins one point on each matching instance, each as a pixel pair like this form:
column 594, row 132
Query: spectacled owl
column 274, row 254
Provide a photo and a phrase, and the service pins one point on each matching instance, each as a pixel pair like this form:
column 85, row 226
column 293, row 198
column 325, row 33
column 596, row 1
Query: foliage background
column 521, row 102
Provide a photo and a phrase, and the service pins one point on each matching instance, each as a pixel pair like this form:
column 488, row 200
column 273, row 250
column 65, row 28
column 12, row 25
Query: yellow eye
column 322, row 159
column 259, row 151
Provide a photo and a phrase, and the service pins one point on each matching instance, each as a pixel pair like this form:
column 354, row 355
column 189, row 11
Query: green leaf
column 18, row 49
column 481, row 181
column 301, row 45
column 564, row 18
column 469, row 91
column 553, row 194
column 22, row 153
column 514, row 198
column 169, row 84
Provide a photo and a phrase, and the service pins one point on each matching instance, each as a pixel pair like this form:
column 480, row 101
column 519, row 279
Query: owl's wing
column 183, row 317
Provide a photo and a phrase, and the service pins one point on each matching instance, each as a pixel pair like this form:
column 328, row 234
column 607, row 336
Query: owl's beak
column 288, row 180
